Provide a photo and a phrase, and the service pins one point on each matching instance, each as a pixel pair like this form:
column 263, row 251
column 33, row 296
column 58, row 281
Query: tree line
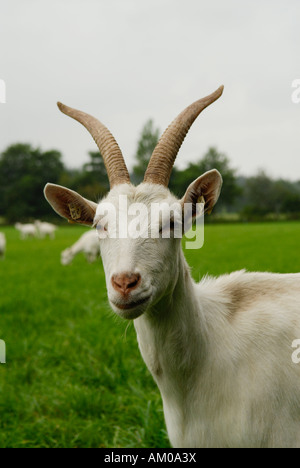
column 24, row 171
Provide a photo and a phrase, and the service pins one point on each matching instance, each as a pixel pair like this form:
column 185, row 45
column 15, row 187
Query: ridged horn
column 164, row 155
column 112, row 156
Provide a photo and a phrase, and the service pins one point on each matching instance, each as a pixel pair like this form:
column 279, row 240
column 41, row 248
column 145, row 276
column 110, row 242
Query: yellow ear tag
column 75, row 211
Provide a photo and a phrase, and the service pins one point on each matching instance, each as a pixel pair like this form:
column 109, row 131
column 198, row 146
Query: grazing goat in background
column 88, row 244
column 26, row 230
column 45, row 229
column 219, row 350
column 2, row 245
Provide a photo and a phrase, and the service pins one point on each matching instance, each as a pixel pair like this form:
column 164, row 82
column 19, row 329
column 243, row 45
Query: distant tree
column 148, row 140
column 24, row 171
column 259, row 196
column 264, row 196
column 287, row 196
column 69, row 176
column 95, row 169
column 213, row 159
column 92, row 181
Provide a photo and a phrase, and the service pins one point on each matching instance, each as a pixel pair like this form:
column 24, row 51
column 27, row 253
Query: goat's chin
column 128, row 314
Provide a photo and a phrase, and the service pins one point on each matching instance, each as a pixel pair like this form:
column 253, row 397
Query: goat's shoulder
column 241, row 290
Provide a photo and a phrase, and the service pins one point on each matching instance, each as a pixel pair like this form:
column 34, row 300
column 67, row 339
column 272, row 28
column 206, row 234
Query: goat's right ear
column 207, row 186
column 70, row 204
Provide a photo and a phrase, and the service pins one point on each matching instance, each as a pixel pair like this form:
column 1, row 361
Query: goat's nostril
column 124, row 283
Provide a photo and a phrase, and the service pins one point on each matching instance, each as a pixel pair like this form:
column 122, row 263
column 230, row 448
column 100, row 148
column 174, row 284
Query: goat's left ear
column 70, row 204
column 207, row 186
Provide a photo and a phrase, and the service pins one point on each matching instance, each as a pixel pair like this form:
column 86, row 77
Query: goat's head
column 138, row 268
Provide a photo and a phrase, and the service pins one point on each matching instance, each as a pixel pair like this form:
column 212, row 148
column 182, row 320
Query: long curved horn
column 113, row 159
column 164, row 155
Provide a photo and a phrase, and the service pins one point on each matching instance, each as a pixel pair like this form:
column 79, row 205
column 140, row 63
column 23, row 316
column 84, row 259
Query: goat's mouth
column 131, row 310
column 130, row 305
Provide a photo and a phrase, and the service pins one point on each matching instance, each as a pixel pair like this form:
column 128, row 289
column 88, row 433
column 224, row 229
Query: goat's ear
column 205, row 189
column 70, row 205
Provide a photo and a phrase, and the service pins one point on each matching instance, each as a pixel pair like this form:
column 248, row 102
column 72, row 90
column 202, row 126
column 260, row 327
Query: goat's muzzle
column 125, row 283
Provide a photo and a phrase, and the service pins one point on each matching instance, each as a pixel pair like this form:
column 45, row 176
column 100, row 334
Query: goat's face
column 140, row 269
column 140, row 266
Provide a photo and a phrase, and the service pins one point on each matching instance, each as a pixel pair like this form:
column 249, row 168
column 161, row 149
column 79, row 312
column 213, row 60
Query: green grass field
column 74, row 376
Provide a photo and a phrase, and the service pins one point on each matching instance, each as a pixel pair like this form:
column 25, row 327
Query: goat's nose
column 124, row 283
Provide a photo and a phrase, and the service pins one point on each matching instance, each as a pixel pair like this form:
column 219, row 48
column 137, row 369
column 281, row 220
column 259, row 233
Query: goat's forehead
column 144, row 193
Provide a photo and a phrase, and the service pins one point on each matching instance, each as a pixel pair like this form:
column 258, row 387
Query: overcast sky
column 125, row 61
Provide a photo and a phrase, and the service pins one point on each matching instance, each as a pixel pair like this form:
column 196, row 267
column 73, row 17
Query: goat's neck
column 168, row 335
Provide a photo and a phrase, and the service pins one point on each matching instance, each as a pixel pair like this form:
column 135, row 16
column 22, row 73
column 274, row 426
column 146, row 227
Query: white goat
column 220, row 351
column 45, row 229
column 2, row 245
column 26, row 230
column 88, row 244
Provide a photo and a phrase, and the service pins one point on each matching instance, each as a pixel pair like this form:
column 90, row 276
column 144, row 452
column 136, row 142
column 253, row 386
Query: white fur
column 2, row 245
column 45, row 229
column 219, row 351
column 26, row 230
column 88, row 244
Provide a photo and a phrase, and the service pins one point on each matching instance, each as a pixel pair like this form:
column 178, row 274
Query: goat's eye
column 101, row 230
